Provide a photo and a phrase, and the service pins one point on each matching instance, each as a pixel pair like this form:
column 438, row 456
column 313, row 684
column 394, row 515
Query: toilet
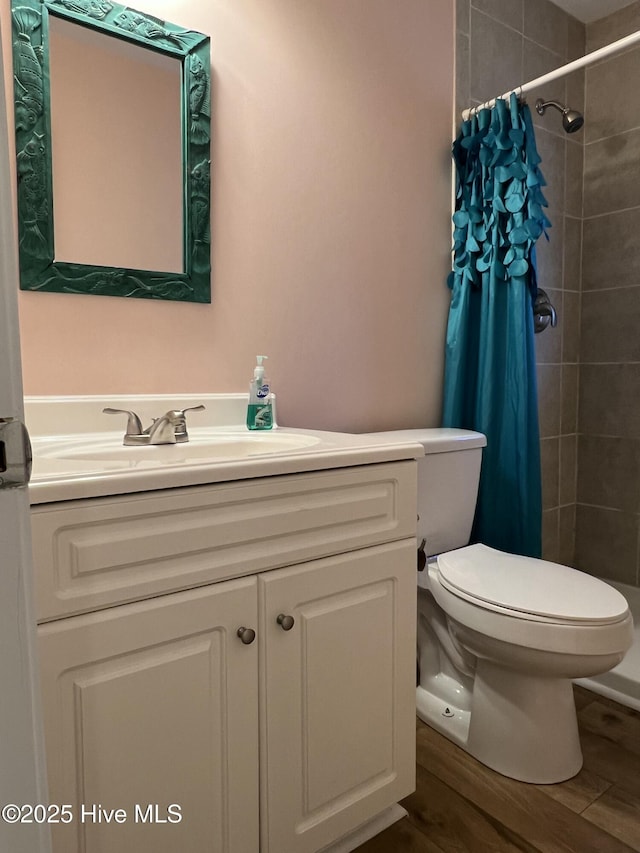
column 501, row 636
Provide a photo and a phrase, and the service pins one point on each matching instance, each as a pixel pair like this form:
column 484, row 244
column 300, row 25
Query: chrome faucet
column 171, row 428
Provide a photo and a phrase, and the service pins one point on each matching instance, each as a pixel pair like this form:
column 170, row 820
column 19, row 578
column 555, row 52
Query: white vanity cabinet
column 284, row 744
column 155, row 703
column 338, row 694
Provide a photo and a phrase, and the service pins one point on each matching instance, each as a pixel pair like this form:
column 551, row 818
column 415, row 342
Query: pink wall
column 330, row 221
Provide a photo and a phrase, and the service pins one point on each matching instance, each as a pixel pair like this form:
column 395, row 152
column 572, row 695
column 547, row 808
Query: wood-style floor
column 460, row 806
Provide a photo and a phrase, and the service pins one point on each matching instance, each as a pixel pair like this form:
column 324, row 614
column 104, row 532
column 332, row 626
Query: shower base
column 622, row 684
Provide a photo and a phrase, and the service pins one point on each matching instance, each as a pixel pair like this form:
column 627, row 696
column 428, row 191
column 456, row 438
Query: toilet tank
column 448, row 478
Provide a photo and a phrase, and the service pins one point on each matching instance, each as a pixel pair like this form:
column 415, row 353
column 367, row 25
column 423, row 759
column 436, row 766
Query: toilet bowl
column 501, row 636
column 518, row 631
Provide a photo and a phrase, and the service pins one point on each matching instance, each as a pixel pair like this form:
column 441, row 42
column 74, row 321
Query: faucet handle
column 179, row 420
column 134, row 424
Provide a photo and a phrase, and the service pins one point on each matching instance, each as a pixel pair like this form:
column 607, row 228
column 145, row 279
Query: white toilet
column 500, row 636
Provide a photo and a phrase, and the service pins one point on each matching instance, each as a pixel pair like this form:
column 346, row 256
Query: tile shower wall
column 608, row 486
column 501, row 43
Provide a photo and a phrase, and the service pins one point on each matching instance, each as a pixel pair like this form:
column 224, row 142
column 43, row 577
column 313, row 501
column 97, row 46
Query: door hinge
column 15, row 454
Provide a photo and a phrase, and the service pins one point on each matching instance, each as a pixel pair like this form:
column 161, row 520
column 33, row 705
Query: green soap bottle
column 260, row 409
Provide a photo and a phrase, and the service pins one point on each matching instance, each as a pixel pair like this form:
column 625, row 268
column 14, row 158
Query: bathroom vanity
column 227, row 644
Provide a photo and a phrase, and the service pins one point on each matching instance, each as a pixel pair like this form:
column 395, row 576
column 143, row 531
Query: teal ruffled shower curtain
column 490, row 373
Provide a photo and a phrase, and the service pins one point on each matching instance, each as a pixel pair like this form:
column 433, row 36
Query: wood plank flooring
column 460, row 806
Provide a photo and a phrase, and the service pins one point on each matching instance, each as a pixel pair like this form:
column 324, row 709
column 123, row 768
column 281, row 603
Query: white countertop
column 60, row 425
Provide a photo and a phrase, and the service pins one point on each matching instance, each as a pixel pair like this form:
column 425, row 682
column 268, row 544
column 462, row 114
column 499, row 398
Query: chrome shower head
column 572, row 120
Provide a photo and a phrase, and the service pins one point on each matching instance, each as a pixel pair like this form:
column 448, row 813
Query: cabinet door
column 151, row 708
column 337, row 694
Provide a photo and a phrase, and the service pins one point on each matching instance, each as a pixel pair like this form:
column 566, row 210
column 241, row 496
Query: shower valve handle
column 543, row 312
column 422, row 557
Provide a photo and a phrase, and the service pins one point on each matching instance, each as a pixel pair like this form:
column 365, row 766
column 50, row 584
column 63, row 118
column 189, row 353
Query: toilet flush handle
column 422, row 557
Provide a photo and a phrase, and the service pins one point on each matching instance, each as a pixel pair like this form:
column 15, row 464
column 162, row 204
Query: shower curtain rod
column 588, row 59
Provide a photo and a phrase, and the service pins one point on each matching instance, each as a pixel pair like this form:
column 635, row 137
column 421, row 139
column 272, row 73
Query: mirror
column 112, row 141
column 115, row 97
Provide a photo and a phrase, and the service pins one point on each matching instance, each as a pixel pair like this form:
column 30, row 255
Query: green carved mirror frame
column 38, row 268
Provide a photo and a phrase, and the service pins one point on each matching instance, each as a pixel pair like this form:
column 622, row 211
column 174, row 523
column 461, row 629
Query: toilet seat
column 485, row 590
column 528, row 588
column 520, row 629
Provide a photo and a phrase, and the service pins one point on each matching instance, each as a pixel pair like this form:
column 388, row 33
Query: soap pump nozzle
column 258, row 371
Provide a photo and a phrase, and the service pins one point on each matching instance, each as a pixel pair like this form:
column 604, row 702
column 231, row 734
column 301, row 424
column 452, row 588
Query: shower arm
column 541, row 106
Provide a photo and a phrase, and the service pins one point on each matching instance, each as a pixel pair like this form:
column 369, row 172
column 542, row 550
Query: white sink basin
column 201, row 449
column 78, row 451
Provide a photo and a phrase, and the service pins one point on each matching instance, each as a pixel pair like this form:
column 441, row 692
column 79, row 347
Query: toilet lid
column 529, row 586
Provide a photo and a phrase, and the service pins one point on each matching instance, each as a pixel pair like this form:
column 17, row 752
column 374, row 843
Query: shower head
column 572, row 120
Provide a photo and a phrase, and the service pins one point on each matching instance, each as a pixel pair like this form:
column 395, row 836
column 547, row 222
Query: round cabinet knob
column 285, row 622
column 247, row 635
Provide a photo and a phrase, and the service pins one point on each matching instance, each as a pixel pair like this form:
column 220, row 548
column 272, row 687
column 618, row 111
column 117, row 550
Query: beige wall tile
column 608, row 459
column 609, row 399
column 611, row 250
column 496, row 57
column 571, row 327
column 547, row 24
column 568, row 469
column 572, row 270
column 613, row 27
column 462, row 16
column 550, row 535
column 576, row 39
column 575, row 98
column 549, row 467
column 549, row 399
column 606, row 543
column 610, row 326
column 509, row 12
column 574, row 179
column 567, row 535
column 612, row 173
column 538, row 60
column 551, row 148
column 462, row 76
column 609, row 472
column 569, row 404
column 549, row 257
column 610, row 108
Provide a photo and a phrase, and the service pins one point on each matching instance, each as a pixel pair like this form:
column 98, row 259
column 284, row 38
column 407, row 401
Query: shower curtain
column 490, row 373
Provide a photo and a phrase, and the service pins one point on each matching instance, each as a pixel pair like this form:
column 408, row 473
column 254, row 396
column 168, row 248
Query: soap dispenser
column 259, row 410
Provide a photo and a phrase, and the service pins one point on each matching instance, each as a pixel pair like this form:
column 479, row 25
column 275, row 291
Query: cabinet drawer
column 91, row 554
